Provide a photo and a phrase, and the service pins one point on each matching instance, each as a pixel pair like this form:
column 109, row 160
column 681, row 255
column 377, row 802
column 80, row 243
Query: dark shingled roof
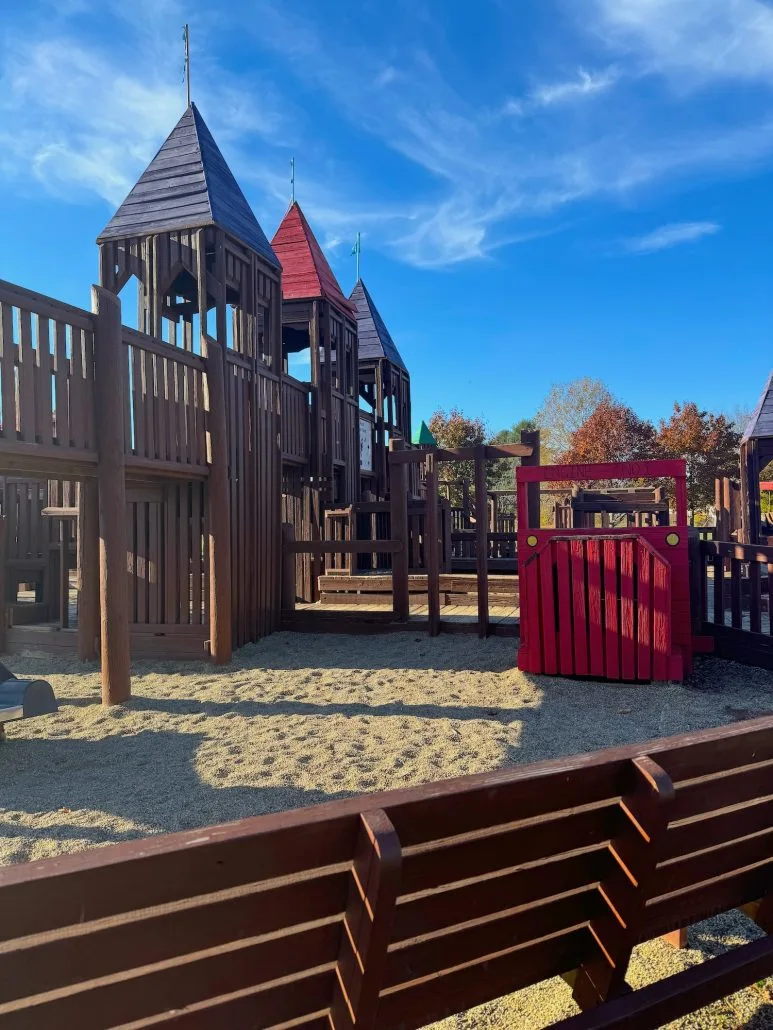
column 761, row 422
column 373, row 335
column 186, row 185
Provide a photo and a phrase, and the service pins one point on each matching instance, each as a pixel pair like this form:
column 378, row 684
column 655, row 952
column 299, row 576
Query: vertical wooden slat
column 43, row 381
column 718, row 565
column 171, row 581
column 627, row 638
column 564, row 599
column 8, row 371
column 184, row 565
column 78, row 391
column 153, row 564
column 644, row 619
column 530, row 650
column 61, row 388
column 579, row 607
column 196, row 552
column 137, row 405
column 755, row 606
column 26, row 378
column 736, row 613
column 611, row 622
column 149, row 402
column 220, row 620
column 141, row 558
column 548, row 611
column 64, row 573
column 88, row 570
column 661, row 620
column 595, row 617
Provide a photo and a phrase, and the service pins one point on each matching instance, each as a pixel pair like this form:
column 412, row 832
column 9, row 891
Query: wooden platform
column 456, row 589
column 376, row 616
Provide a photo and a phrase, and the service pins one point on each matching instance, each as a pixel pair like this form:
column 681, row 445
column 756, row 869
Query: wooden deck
column 376, row 616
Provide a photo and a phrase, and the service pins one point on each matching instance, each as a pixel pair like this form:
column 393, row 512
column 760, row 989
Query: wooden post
column 220, row 629
column 64, row 573
column 432, row 544
column 532, row 439
column 88, row 570
column 398, row 475
column 481, row 538
column 3, row 584
column 369, row 918
column 113, row 583
column 626, row 891
column 288, row 568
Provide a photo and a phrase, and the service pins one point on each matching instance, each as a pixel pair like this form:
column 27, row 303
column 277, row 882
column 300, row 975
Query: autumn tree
column 709, row 445
column 501, row 473
column 565, row 408
column 455, row 430
column 613, row 432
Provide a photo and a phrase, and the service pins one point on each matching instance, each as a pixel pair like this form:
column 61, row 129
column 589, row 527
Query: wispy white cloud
column 586, row 84
column 697, row 40
column 668, row 236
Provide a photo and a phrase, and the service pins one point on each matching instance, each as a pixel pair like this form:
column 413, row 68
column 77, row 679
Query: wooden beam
column 113, row 586
column 88, row 570
column 219, row 521
column 481, row 539
column 432, row 546
column 398, row 475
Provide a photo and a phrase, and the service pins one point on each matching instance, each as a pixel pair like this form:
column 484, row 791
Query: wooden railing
column 295, row 420
column 46, row 373
column 732, row 592
column 164, row 413
column 399, row 909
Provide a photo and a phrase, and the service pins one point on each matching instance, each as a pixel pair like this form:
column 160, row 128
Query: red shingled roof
column 305, row 271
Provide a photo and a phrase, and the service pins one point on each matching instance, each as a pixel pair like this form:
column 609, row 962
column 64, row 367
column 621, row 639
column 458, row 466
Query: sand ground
column 299, row 719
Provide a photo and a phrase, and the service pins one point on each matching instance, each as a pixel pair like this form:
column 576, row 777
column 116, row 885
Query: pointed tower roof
column 761, row 423
column 305, row 271
column 373, row 335
column 187, row 185
column 423, row 437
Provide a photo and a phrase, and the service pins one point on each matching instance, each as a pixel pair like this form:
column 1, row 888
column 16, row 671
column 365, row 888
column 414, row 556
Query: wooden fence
column 399, row 909
column 731, row 599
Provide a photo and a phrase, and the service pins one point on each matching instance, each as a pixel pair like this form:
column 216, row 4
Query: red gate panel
column 605, row 603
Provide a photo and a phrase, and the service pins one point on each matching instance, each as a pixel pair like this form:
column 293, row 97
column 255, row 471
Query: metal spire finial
column 292, row 178
column 186, row 40
column 357, row 250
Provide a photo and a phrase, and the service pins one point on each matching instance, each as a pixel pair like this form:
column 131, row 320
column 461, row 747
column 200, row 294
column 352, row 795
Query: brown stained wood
column 399, row 529
column 26, row 371
column 717, row 827
column 637, row 851
column 481, row 539
column 8, row 372
column 731, row 787
column 184, row 561
column 682, row 872
column 43, row 382
column 154, row 563
column 155, row 990
column 36, row 303
column 78, row 397
column 432, row 538
column 434, row 997
column 219, row 514
column 660, row 1003
column 114, row 616
column 362, row 960
column 487, row 895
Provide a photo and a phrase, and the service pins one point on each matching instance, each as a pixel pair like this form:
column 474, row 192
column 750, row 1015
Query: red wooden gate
column 605, row 603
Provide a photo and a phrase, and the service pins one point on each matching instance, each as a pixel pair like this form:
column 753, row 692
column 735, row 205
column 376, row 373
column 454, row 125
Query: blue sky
column 545, row 188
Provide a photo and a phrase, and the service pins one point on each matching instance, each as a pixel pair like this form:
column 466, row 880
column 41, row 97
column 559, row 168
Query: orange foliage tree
column 613, row 432
column 708, row 443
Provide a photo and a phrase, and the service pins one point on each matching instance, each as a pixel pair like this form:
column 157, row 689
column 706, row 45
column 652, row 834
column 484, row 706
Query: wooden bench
column 396, row 909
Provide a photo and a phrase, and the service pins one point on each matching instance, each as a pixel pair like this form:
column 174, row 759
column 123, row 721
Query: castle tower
column 318, row 319
column 385, row 384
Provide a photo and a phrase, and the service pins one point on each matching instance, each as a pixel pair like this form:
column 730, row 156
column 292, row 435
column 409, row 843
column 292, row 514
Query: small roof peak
column 375, row 340
column 188, row 185
column 305, row 269
column 761, row 423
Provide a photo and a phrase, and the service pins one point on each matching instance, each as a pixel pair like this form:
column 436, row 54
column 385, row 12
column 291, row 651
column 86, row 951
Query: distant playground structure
column 242, row 462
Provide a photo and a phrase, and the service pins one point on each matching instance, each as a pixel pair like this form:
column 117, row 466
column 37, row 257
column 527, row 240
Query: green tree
column 501, row 472
column 563, row 411
column 455, row 430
